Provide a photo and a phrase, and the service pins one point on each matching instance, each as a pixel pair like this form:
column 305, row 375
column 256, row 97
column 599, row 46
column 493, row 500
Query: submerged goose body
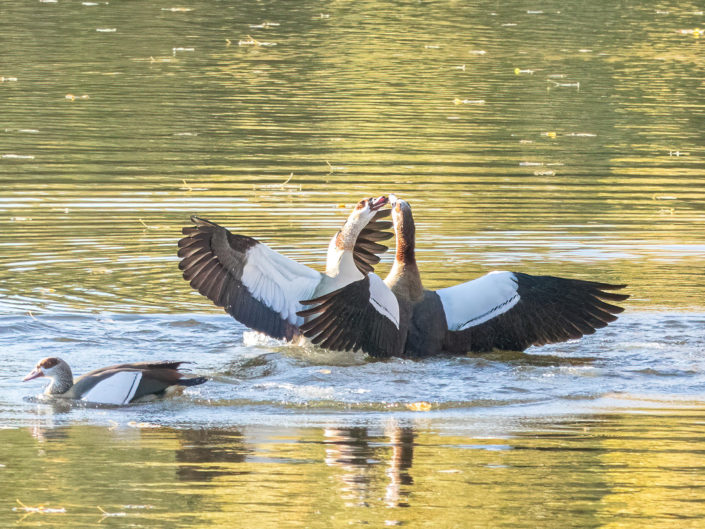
column 501, row 310
column 262, row 288
column 118, row 384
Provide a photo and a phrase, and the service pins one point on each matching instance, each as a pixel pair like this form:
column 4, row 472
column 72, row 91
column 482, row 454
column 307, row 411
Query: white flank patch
column 383, row 300
column 480, row 300
column 118, row 388
column 278, row 282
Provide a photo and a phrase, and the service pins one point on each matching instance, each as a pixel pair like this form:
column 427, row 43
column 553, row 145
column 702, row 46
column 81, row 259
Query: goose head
column 55, row 369
column 361, row 215
column 404, row 227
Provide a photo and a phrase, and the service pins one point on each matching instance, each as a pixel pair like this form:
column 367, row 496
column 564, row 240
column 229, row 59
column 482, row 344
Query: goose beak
column 36, row 373
column 377, row 203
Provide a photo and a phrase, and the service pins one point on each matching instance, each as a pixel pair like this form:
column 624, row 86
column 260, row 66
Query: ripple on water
column 263, row 378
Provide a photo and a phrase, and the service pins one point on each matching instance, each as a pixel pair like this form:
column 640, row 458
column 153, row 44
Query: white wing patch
column 118, row 388
column 383, row 299
column 278, row 282
column 479, row 300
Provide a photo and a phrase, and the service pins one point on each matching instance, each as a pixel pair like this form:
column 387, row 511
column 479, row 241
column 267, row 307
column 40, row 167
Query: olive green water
column 559, row 138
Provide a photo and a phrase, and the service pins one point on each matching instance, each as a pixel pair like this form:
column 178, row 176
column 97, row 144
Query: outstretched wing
column 362, row 315
column 511, row 311
column 254, row 284
column 367, row 251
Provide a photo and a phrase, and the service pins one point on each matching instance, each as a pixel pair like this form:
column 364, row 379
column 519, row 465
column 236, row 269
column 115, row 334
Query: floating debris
column 565, row 85
column 177, row 9
column 584, row 50
column 72, row 97
column 531, row 12
column 107, row 514
column 106, row 30
column 20, row 219
column 135, row 424
column 249, row 41
column 459, row 67
column 8, row 79
column 694, row 32
column 41, row 509
column 334, row 168
column 283, row 185
column 551, row 134
column 677, row 153
column 94, row 3
column 150, row 227
column 179, row 50
column 663, row 197
column 518, row 71
column 526, row 141
column 508, row 25
column 189, row 188
column 159, row 59
column 264, row 25
column 477, row 52
column 432, row 47
column 557, row 76
column 138, row 506
column 530, row 164
column 12, row 156
column 48, row 1
column 419, row 406
column 582, row 134
column 458, row 101
column 323, row 15
column 544, row 173
column 662, row 12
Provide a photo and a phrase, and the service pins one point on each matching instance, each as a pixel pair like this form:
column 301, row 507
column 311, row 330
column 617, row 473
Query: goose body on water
column 500, row 310
column 118, row 384
column 262, row 288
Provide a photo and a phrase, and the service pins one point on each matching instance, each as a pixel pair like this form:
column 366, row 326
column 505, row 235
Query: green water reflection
column 607, row 471
column 564, row 140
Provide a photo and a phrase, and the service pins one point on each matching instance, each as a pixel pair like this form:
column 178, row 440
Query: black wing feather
column 366, row 253
column 345, row 320
column 550, row 309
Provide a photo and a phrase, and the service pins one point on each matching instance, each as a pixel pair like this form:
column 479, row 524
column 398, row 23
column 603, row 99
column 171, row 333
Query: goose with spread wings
column 500, row 310
column 262, row 288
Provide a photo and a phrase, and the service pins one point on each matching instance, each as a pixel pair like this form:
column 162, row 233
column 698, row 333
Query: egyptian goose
column 262, row 288
column 500, row 310
column 118, row 384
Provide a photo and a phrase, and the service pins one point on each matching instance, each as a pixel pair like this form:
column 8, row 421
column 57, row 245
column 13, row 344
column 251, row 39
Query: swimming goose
column 262, row 288
column 118, row 384
column 500, row 310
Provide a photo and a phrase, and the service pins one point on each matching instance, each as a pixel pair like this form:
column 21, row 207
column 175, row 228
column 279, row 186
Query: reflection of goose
column 119, row 384
column 262, row 288
column 501, row 310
